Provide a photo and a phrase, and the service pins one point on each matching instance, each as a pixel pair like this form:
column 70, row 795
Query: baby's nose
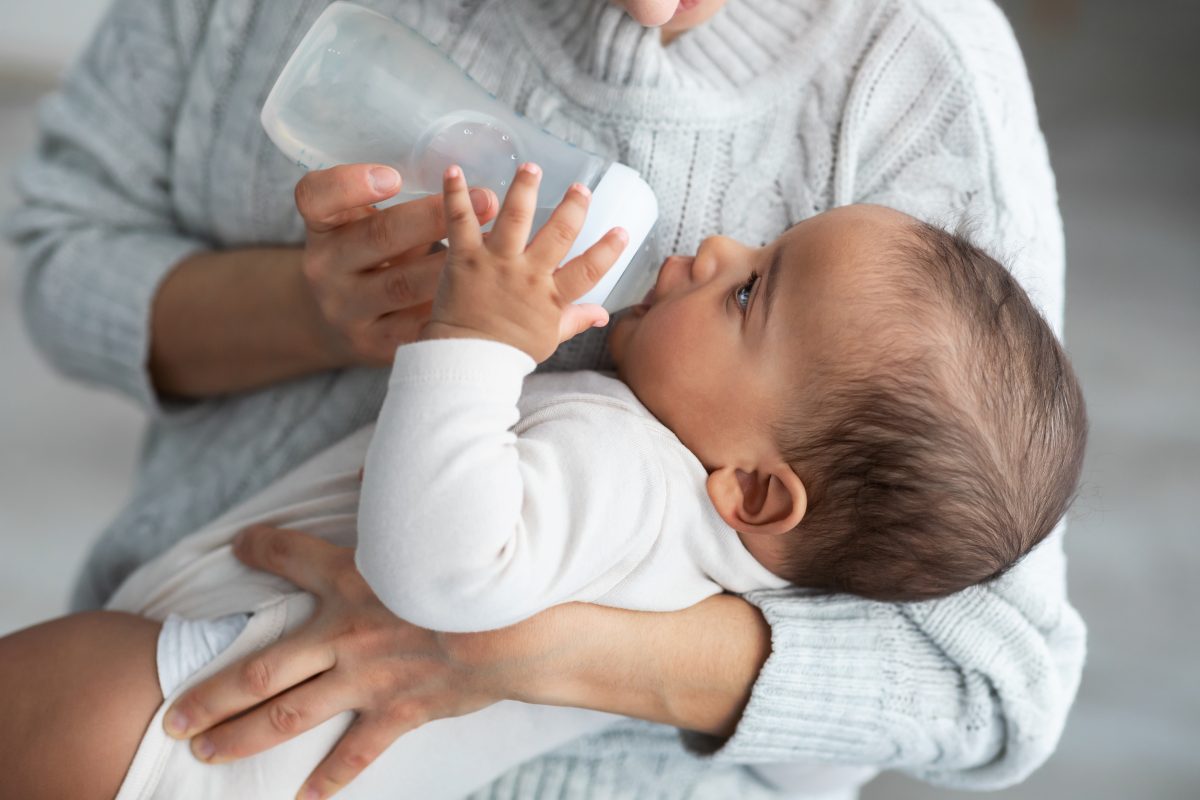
column 674, row 272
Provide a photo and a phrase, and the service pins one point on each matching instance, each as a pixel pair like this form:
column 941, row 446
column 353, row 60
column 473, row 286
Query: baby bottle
column 362, row 87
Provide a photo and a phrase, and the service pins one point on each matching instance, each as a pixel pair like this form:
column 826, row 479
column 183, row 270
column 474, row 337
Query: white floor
column 1121, row 107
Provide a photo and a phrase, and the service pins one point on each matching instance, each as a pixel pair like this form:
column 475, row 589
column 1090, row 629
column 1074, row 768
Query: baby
column 867, row 405
column 870, row 404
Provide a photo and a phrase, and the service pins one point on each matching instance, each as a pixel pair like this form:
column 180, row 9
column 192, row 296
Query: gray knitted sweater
column 774, row 111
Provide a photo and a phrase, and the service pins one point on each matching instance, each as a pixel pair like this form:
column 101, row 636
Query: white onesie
column 488, row 496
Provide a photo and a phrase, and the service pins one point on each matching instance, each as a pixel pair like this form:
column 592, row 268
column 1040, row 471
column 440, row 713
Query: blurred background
column 1118, row 87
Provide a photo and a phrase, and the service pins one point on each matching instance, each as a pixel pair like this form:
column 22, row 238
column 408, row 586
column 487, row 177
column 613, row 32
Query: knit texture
column 772, row 112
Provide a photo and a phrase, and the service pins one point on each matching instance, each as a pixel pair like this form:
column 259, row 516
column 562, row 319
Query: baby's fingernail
column 203, row 748
column 176, row 723
column 480, row 200
column 384, row 179
column 531, row 168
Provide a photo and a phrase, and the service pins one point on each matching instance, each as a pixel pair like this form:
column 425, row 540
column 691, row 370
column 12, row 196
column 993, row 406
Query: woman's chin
column 651, row 13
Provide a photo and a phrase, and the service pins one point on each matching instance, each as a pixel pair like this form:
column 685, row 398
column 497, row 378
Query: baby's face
column 727, row 339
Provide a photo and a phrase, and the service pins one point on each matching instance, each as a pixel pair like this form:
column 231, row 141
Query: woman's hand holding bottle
column 373, row 273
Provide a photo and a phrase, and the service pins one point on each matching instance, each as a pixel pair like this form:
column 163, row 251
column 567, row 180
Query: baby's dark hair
column 951, row 455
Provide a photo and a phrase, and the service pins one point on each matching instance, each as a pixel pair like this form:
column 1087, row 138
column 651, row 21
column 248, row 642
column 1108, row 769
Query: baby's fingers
column 584, row 271
column 578, row 318
column 462, row 227
column 511, row 231
column 552, row 243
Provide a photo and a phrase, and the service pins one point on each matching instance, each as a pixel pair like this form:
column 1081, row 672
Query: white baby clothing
column 487, row 497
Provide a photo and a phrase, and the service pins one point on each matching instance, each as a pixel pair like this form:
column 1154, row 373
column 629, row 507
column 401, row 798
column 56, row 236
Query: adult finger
column 243, row 685
column 397, row 328
column 510, row 234
column 554, row 240
column 285, row 716
column 325, row 197
column 405, row 285
column 305, row 560
column 578, row 318
column 365, row 740
column 389, row 234
column 584, row 271
column 462, row 227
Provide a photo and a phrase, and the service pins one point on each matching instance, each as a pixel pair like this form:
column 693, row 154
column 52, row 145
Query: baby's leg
column 76, row 694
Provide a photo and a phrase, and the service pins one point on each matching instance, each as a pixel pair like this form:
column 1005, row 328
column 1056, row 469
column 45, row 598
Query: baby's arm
column 465, row 524
column 450, row 496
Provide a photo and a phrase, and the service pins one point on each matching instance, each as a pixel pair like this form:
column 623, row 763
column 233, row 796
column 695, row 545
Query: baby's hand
column 496, row 288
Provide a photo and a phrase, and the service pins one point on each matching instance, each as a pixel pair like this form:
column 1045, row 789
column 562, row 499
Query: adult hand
column 353, row 654
column 372, row 273
column 693, row 669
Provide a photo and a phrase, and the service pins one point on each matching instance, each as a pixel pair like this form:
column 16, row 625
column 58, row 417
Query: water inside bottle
column 486, row 149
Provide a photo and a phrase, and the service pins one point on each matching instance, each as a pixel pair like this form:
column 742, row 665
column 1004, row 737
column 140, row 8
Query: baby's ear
column 769, row 500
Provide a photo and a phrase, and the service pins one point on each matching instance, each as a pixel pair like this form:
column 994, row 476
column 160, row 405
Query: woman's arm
column 118, row 292
column 96, row 231
column 233, row 320
column 361, row 285
column 692, row 668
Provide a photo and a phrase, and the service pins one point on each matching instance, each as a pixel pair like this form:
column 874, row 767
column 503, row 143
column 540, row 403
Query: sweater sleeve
column 95, row 231
column 468, row 523
column 971, row 691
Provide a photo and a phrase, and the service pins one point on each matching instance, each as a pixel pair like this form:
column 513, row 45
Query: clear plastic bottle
column 362, row 87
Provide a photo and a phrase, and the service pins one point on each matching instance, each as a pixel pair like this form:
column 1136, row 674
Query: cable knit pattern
column 772, row 112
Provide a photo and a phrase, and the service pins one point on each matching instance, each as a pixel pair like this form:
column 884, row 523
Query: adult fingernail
column 310, row 794
column 176, row 723
column 203, row 748
column 480, row 200
column 384, row 179
column 531, row 168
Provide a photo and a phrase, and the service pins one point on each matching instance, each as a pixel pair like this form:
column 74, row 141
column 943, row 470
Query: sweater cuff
column 827, row 691
column 95, row 322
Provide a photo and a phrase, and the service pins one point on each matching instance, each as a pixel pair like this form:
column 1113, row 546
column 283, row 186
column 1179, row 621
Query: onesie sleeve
column 95, row 230
column 468, row 524
column 971, row 691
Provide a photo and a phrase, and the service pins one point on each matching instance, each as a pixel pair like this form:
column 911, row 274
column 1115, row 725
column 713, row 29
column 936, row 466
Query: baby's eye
column 741, row 295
